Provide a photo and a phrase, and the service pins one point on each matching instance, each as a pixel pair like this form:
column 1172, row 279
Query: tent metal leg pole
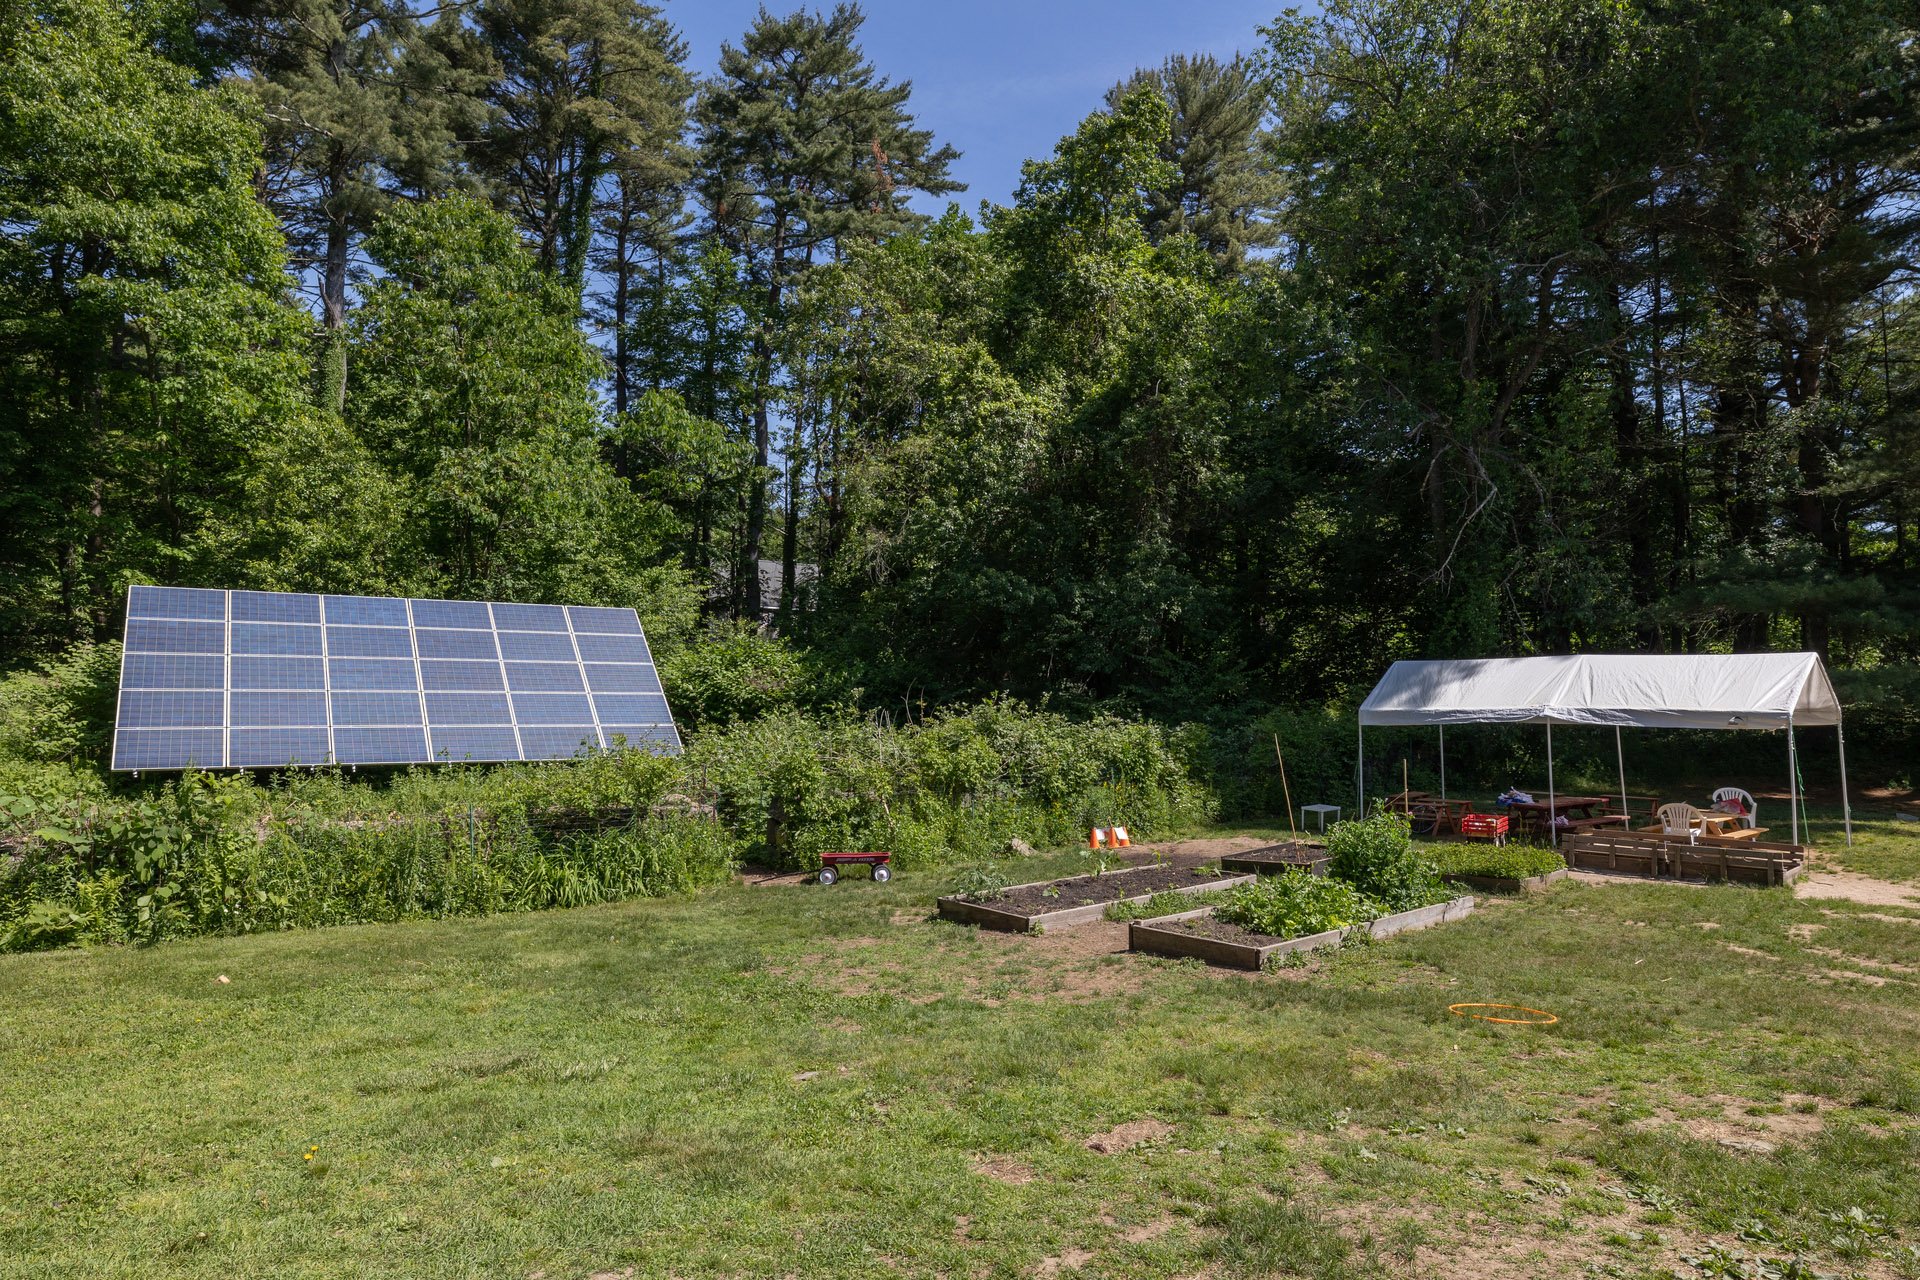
column 1553, row 807
column 1846, row 805
column 1620, row 755
column 1793, row 785
column 1443, row 766
column 1360, row 776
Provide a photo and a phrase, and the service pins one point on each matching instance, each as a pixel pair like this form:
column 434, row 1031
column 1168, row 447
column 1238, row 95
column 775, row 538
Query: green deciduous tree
column 145, row 335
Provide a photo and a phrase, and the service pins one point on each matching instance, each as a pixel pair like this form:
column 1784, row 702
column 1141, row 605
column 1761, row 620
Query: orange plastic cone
column 1096, row 837
column 1120, row 840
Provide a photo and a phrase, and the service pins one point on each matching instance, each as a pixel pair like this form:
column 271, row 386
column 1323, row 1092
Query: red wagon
column 1485, row 826
column 830, row 864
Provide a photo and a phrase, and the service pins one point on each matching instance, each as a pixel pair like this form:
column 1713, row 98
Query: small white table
column 1321, row 811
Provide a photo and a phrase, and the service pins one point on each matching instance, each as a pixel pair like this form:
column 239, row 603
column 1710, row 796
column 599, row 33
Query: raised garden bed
column 1505, row 884
column 1204, row 936
column 1048, row 905
column 1307, row 855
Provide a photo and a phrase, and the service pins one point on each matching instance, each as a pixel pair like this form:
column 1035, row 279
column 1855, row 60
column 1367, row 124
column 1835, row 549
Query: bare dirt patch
column 1830, row 882
column 1140, row 1232
column 1015, row 1173
column 1868, row 962
column 1739, row 950
column 1804, row 931
column 1197, row 853
column 1125, row 1137
column 1068, row 1260
column 1870, row 915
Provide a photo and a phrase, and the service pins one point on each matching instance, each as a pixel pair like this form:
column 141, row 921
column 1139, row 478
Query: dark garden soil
column 1058, row 895
column 1212, row 926
column 1288, row 853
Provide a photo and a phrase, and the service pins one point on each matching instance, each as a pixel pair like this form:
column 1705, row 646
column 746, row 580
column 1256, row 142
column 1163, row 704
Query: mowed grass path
column 825, row 1082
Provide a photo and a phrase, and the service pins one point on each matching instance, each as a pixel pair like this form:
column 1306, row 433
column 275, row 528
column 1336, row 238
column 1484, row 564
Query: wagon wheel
column 882, row 874
column 828, row 875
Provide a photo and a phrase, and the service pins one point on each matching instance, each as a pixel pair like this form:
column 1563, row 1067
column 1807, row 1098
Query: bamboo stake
column 1285, row 790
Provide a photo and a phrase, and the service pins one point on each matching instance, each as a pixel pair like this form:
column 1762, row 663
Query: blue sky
column 1003, row 80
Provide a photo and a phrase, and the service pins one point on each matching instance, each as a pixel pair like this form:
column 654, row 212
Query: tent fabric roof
column 1646, row 691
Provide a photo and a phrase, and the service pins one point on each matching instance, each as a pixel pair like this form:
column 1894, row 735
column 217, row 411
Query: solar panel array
column 260, row 679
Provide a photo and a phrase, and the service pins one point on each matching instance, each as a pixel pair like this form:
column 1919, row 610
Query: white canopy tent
column 1640, row 691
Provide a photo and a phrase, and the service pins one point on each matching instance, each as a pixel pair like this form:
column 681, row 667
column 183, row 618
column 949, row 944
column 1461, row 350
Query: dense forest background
column 1433, row 329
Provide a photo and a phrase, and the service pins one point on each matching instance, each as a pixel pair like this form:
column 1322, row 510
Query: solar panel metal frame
column 278, row 680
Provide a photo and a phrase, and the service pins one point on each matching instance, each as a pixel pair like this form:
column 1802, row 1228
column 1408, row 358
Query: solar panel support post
column 1443, row 766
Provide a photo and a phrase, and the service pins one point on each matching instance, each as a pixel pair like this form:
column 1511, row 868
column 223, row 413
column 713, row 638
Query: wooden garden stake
column 1285, row 790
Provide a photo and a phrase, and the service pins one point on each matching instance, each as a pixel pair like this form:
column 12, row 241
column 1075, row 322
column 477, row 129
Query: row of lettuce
column 84, row 859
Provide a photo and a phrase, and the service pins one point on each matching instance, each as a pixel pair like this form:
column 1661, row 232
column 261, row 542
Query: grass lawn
column 826, row 1082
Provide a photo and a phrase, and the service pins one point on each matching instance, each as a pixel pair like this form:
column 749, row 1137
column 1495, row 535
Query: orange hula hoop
column 1544, row 1020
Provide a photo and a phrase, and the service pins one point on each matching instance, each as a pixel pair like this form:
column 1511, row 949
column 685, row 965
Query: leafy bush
column 62, row 712
column 206, row 854
column 1513, row 861
column 1297, row 903
column 1376, row 856
column 736, row 673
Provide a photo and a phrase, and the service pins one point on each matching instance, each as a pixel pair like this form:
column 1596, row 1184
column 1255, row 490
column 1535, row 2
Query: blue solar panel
column 276, row 638
column 545, row 742
column 613, row 648
column 380, row 746
column 551, row 708
column 463, row 614
column 460, row 677
column 641, row 735
column 280, row 673
column 605, row 677
column 390, row 709
column 176, row 602
column 271, row 606
column 468, row 708
column 620, row 622
column 155, row 635
column 457, row 644
column 365, row 611
column 271, row 748
column 257, row 679
column 173, row 671
column 475, row 744
column 169, row 748
column 529, row 617
column 371, row 673
column 631, row 708
column 267, row 710
column 171, row 708
column 536, row 646
column 369, row 642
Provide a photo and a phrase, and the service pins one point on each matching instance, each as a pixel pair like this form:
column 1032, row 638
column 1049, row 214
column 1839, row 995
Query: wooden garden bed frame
column 1662, row 857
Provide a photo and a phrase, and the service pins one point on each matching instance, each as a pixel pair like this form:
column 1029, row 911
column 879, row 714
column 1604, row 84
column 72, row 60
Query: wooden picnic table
column 1538, row 814
column 1428, row 812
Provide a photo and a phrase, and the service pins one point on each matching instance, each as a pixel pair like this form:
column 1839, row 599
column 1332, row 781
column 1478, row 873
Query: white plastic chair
column 1678, row 819
column 1752, row 816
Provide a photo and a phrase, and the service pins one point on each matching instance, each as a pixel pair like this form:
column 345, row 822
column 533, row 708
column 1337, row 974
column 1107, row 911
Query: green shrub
column 1376, row 856
column 1513, row 861
column 735, row 673
column 1297, row 903
column 64, row 711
